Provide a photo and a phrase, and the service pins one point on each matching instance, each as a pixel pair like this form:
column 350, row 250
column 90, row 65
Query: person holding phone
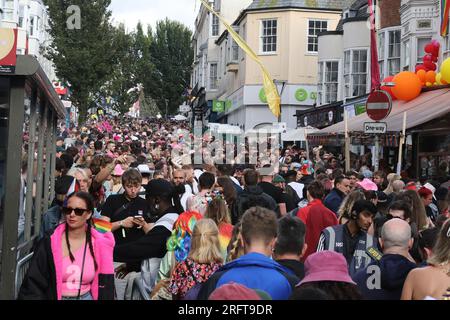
column 122, row 210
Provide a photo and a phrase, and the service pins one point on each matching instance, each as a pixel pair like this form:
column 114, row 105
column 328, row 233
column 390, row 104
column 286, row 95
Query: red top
column 316, row 217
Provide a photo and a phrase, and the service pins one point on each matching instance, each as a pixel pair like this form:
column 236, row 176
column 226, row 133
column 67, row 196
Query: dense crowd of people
column 135, row 217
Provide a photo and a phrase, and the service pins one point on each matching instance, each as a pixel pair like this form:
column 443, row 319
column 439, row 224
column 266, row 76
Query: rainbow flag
column 102, row 226
column 445, row 11
column 225, row 234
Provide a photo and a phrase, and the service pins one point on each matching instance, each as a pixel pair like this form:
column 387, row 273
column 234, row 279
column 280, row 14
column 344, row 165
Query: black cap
column 159, row 187
column 62, row 184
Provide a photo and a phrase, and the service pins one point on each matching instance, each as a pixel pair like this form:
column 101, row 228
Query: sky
column 150, row 11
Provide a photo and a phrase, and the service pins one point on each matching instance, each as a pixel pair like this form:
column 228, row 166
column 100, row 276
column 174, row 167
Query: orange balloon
column 422, row 74
column 431, row 76
column 407, row 86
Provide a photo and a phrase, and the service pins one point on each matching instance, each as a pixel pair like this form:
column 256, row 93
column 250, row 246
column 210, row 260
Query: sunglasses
column 79, row 212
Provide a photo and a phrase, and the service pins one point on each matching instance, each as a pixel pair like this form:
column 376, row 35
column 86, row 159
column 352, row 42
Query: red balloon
column 427, row 58
column 435, row 59
column 389, row 89
column 429, row 48
column 429, row 66
column 420, row 67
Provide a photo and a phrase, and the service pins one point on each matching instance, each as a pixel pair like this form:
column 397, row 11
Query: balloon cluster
column 431, row 57
column 408, row 85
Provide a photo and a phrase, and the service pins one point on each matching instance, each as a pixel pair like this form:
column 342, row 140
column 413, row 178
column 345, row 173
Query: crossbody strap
column 82, row 270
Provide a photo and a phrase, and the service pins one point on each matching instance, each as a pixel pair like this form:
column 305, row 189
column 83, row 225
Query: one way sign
column 375, row 127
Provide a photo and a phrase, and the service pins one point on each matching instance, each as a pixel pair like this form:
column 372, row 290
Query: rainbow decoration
column 225, row 234
column 102, row 226
column 445, row 11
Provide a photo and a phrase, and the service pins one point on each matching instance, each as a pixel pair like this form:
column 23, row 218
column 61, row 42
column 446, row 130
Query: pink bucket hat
column 326, row 266
column 368, row 185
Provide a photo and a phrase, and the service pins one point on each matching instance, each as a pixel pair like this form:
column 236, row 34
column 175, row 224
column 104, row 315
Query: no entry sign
column 379, row 105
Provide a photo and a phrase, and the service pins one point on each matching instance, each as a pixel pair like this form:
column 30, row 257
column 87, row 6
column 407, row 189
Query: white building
column 206, row 53
column 404, row 27
column 31, row 20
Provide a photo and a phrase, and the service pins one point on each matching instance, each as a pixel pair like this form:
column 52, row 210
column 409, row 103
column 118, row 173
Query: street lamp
column 281, row 83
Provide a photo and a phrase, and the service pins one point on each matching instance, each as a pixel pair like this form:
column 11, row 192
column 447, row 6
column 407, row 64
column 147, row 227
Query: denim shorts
column 86, row 296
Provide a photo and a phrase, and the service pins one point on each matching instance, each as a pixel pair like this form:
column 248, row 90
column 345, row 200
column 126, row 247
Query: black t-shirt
column 273, row 191
column 117, row 208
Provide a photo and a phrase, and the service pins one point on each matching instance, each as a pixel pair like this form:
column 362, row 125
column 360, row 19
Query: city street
column 227, row 150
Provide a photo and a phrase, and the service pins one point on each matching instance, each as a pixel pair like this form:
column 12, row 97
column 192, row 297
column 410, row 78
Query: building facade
column 207, row 30
column 284, row 36
column 404, row 27
column 30, row 18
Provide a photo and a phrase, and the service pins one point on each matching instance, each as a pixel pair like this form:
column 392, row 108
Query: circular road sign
column 379, row 105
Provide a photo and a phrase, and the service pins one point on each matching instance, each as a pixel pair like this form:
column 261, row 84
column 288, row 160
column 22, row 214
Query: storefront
column 426, row 151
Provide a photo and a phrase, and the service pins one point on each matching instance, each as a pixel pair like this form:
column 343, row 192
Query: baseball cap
column 326, row 266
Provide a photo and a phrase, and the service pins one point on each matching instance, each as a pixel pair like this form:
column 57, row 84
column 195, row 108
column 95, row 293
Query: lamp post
column 281, row 83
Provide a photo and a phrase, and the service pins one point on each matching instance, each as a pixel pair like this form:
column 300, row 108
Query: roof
column 358, row 9
column 428, row 106
column 313, row 4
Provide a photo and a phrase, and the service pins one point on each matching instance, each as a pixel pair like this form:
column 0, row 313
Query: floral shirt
column 188, row 273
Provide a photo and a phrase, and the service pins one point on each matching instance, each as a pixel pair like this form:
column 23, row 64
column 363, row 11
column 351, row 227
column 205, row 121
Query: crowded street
column 170, row 180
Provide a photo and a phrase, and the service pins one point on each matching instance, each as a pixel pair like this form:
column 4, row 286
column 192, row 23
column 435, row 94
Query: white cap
column 144, row 169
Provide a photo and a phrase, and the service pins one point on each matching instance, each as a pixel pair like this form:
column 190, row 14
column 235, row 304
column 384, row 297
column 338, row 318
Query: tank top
column 72, row 273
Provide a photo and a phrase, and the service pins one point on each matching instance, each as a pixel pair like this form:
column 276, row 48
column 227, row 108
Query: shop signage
column 8, row 50
column 375, row 127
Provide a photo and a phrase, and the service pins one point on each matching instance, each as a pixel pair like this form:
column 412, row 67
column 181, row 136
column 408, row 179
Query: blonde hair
column 346, row 207
column 205, row 245
column 391, row 178
column 235, row 248
column 441, row 252
column 218, row 211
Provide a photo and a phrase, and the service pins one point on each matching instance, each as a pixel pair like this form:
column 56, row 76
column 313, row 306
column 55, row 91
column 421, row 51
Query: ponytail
column 234, row 248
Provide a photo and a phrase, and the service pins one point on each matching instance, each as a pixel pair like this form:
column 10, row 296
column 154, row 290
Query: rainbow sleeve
column 102, row 226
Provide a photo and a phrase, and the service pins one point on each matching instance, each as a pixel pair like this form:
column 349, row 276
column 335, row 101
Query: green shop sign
column 218, row 106
column 262, row 96
column 360, row 109
column 301, row 95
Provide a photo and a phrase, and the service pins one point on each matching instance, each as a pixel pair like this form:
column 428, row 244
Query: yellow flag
column 273, row 98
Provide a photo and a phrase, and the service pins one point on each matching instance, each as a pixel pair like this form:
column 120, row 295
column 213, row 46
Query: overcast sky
column 150, row 11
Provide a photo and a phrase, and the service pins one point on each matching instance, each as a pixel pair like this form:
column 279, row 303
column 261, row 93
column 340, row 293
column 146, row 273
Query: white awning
column 428, row 106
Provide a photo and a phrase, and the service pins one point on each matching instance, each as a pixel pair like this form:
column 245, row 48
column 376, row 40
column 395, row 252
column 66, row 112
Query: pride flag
column 445, row 11
column 102, row 226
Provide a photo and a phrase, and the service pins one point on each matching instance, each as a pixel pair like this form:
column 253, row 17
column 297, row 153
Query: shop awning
column 428, row 106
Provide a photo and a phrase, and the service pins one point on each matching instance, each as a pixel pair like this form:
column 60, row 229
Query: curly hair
column 180, row 240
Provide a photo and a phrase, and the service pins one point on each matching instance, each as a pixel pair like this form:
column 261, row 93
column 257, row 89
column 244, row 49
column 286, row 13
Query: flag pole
column 402, row 142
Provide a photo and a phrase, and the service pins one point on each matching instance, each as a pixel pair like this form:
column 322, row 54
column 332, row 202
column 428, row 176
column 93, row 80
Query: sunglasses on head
column 79, row 212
